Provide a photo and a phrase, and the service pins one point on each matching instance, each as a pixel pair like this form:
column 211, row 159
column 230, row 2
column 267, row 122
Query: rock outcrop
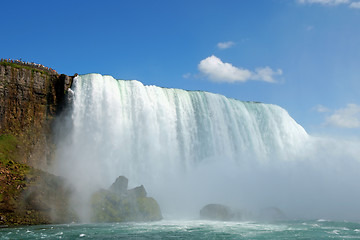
column 118, row 204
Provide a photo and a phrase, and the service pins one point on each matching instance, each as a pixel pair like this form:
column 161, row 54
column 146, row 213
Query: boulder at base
column 118, row 204
column 220, row 213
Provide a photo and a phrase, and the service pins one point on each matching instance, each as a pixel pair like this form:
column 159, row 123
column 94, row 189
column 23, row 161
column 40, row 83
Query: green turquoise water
column 197, row 229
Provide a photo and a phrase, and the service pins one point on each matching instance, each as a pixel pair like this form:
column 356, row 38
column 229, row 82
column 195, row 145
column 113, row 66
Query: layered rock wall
column 29, row 100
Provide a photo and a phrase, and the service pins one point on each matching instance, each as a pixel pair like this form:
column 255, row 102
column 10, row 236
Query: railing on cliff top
column 29, row 64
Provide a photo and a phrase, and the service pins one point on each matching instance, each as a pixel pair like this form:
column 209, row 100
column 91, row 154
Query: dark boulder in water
column 118, row 204
column 220, row 212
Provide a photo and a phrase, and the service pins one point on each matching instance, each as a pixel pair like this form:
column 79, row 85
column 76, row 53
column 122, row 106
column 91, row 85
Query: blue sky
column 303, row 55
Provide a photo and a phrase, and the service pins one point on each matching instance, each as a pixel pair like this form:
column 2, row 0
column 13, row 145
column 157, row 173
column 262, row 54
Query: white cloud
column 351, row 4
column 325, row 2
column 310, row 28
column 218, row 71
column 186, row 75
column 266, row 74
column 348, row 117
column 321, row 109
column 355, row 5
column 225, row 45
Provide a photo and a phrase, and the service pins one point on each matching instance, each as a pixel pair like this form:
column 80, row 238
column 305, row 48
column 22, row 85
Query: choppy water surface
column 319, row 229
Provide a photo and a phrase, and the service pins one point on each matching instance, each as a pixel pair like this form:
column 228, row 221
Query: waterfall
column 173, row 141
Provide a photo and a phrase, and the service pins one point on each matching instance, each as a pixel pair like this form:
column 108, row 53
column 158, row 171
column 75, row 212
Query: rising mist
column 193, row 148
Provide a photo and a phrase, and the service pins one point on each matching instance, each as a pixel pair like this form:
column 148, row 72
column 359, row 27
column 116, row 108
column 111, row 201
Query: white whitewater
column 186, row 147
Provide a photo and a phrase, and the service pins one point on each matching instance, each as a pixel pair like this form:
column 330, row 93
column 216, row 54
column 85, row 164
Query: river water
column 190, row 229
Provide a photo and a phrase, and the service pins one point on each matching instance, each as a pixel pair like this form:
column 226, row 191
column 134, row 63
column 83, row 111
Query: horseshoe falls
column 191, row 148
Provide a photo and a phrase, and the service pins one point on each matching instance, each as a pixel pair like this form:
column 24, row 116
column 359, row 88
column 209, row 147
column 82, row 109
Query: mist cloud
column 275, row 164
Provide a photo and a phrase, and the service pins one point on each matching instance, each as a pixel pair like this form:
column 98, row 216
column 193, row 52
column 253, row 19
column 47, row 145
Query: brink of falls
column 188, row 148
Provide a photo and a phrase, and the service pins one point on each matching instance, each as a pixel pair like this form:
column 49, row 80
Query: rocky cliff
column 30, row 98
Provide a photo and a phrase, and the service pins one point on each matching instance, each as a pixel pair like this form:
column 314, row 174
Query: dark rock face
column 29, row 100
column 124, row 205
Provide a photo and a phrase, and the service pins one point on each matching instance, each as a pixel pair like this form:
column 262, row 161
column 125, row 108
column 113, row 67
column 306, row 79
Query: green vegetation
column 8, row 156
column 110, row 207
column 28, row 195
column 19, row 66
column 105, row 206
column 12, row 179
column 149, row 208
column 118, row 204
column 8, row 144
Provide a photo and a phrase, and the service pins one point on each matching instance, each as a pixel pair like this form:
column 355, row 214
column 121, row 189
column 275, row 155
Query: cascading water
column 187, row 147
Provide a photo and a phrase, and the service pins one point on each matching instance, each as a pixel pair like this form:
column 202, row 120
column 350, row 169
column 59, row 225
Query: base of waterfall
column 191, row 229
column 219, row 212
column 118, row 204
